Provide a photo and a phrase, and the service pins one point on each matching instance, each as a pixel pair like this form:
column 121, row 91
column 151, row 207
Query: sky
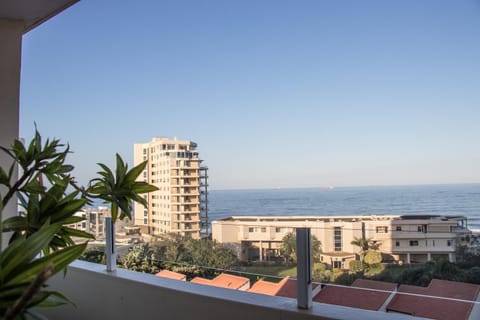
column 276, row 93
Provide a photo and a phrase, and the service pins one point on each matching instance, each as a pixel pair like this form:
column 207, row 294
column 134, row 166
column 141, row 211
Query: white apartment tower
column 180, row 203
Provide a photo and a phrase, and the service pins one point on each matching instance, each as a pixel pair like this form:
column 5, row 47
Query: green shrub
column 355, row 266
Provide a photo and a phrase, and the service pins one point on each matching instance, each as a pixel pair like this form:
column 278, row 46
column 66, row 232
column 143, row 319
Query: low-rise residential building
column 404, row 238
column 94, row 222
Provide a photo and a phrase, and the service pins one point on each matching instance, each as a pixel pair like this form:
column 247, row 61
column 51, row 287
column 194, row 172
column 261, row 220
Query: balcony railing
column 125, row 294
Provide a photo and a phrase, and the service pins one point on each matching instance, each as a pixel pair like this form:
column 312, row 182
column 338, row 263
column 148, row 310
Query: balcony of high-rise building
column 123, row 294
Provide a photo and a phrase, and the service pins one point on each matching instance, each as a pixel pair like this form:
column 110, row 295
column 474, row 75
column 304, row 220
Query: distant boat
column 327, row 188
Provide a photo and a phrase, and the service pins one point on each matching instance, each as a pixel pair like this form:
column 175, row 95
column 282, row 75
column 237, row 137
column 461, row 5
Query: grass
column 277, row 272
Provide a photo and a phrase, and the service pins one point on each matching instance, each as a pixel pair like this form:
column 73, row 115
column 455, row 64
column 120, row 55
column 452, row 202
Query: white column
column 429, row 256
column 408, row 258
column 10, row 60
column 451, row 257
column 260, row 251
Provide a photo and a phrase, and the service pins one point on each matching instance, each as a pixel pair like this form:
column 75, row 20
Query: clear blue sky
column 276, row 93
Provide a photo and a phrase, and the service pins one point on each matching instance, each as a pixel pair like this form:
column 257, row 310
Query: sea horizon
column 433, row 199
column 325, row 187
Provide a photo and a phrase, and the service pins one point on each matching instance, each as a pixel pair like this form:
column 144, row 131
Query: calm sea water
column 425, row 199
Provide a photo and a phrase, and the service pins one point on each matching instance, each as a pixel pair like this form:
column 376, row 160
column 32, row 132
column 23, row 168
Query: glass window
column 413, row 243
column 382, row 229
column 337, row 238
column 399, row 228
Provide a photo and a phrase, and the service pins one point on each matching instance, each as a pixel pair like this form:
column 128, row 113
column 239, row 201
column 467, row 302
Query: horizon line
column 333, row 187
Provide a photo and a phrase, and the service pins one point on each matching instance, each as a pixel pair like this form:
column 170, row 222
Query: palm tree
column 363, row 243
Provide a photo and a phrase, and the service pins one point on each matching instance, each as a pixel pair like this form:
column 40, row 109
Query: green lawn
column 278, row 272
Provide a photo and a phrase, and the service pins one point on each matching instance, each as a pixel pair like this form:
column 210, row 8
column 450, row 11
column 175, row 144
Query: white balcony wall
column 132, row 295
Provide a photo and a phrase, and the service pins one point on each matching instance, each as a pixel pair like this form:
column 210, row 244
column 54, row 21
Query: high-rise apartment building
column 180, row 203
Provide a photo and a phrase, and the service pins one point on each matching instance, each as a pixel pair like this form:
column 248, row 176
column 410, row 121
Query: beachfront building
column 180, row 203
column 406, row 238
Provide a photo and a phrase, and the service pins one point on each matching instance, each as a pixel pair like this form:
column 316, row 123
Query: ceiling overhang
column 32, row 12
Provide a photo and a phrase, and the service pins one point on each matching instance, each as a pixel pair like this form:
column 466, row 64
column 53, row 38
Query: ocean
column 458, row 199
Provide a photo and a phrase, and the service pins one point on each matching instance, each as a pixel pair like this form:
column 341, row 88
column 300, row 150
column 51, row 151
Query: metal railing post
column 304, row 268
column 110, row 253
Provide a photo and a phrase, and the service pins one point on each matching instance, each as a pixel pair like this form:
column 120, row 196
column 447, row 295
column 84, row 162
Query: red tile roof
column 267, row 287
column 201, row 280
column 436, row 308
column 225, row 280
column 452, row 289
column 353, row 297
column 372, row 284
column 288, row 289
column 172, row 275
column 230, row 281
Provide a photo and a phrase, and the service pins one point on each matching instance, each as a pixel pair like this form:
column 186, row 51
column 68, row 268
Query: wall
column 10, row 61
column 133, row 295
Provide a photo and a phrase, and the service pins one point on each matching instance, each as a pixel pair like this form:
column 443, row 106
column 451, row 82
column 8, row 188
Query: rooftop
column 225, row 280
column 172, row 275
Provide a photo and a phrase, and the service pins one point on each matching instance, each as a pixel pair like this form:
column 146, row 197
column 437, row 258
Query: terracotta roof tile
column 201, row 280
column 372, row 284
column 436, row 308
column 172, row 275
column 267, row 287
column 352, row 297
column 225, row 280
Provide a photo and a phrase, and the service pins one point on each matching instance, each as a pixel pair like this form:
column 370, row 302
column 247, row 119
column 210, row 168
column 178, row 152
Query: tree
column 194, row 257
column 372, row 257
column 289, row 247
column 141, row 258
column 365, row 244
column 94, row 254
column 355, row 266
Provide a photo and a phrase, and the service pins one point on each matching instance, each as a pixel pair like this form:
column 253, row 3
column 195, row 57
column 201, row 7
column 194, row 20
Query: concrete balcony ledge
column 125, row 294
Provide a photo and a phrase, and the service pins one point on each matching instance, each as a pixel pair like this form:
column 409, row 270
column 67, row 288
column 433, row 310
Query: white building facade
column 180, row 203
column 406, row 238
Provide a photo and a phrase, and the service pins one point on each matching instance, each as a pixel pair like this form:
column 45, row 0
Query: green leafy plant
column 41, row 242
column 120, row 189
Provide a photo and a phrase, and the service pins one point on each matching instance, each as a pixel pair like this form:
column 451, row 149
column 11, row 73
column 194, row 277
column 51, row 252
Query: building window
column 382, row 229
column 397, row 243
column 422, row 228
column 449, row 243
column 145, row 221
column 337, row 238
column 264, row 229
column 398, row 228
column 413, row 243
